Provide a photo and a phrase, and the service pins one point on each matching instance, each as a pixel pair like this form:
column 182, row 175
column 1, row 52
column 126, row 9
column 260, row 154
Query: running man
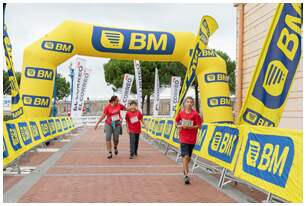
column 188, row 122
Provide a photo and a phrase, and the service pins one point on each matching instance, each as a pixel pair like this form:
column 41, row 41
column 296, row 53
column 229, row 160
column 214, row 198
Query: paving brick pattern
column 84, row 174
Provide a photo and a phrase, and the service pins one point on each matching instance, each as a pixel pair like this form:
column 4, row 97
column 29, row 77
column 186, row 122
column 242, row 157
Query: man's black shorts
column 186, row 149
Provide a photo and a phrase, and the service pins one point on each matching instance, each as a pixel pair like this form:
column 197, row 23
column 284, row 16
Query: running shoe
column 187, row 180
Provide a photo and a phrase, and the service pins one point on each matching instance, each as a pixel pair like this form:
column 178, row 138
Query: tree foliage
column 231, row 67
column 62, row 87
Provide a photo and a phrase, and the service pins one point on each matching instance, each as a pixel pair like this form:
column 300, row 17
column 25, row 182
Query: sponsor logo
column 106, row 39
column 255, row 118
column 175, row 137
column 25, row 133
column 168, row 129
column 223, row 143
column 57, row 46
column 58, row 125
column 39, row 73
column 200, row 138
column 269, row 157
column 35, row 131
column 5, row 152
column 215, row 77
column 13, row 136
column 17, row 113
column 281, row 60
column 45, row 128
column 219, row 101
column 52, row 126
column 64, row 123
column 160, row 127
column 36, row 101
column 205, row 53
column 175, row 86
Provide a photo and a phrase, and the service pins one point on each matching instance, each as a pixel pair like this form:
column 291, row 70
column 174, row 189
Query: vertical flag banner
column 126, row 88
column 275, row 69
column 175, row 92
column 138, row 80
column 156, row 94
column 83, row 89
column 79, row 70
column 16, row 103
column 207, row 27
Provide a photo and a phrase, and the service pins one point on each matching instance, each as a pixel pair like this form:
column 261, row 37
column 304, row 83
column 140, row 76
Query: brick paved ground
column 84, row 174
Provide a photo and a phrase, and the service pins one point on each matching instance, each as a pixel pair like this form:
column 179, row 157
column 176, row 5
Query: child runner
column 133, row 119
column 188, row 121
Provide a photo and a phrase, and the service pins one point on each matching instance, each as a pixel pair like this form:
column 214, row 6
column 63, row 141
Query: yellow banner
column 275, row 69
column 272, row 159
column 16, row 105
column 207, row 27
column 19, row 136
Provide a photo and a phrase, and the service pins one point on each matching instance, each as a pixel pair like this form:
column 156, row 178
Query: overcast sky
column 28, row 22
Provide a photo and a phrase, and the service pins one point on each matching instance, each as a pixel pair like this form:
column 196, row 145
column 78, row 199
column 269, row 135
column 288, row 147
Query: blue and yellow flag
column 16, row 105
column 275, row 69
column 208, row 26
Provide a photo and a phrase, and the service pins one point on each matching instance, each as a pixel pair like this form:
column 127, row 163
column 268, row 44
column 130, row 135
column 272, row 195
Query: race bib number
column 115, row 117
column 187, row 123
column 134, row 119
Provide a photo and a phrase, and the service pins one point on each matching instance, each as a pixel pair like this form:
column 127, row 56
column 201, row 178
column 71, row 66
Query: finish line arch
column 42, row 57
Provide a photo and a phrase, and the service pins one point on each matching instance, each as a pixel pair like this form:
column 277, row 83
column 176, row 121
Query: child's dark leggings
column 134, row 140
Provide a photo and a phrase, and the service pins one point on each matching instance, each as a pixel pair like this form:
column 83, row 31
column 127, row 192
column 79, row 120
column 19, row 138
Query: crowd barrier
column 24, row 135
column 270, row 159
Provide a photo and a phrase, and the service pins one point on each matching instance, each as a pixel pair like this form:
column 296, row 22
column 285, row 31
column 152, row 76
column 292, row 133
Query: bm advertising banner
column 275, row 69
column 272, row 159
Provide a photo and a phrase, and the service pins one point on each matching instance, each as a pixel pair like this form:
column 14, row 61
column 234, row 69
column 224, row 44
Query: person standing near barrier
column 134, row 119
column 112, row 126
column 188, row 122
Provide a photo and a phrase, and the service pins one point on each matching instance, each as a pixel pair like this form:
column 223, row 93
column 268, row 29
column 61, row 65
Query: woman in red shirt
column 188, row 122
column 112, row 125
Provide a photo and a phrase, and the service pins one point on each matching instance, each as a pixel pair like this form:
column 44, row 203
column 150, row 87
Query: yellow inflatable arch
column 42, row 57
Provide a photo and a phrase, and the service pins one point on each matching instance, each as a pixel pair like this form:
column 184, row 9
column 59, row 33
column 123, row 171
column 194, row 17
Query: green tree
column 62, row 86
column 231, row 67
column 114, row 71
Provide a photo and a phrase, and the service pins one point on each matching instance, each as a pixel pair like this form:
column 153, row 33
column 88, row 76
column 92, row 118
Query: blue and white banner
column 156, row 94
column 138, row 80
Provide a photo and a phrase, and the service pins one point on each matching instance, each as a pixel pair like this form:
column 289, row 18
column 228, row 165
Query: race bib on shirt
column 187, row 123
column 134, row 119
column 115, row 117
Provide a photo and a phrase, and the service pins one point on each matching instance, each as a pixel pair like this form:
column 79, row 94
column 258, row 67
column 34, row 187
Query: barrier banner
column 220, row 144
column 126, row 88
column 138, row 79
column 207, row 27
column 21, row 136
column 16, row 103
column 79, row 72
column 175, row 92
column 272, row 159
column 156, row 94
column 168, row 130
column 83, row 92
column 200, row 139
column 275, row 69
